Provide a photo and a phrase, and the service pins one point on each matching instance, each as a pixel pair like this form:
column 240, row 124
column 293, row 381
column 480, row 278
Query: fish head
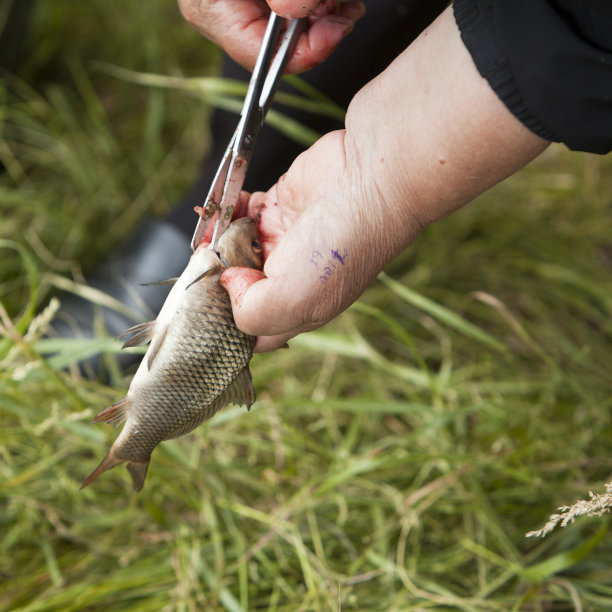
column 240, row 246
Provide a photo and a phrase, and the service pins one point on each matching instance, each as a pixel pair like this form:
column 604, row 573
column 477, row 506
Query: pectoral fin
column 201, row 276
column 141, row 334
column 168, row 281
column 156, row 345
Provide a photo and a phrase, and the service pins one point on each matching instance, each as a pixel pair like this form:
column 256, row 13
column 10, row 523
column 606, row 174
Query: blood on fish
column 240, row 279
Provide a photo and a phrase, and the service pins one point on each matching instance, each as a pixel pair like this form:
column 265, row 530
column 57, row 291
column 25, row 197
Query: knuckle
column 188, row 10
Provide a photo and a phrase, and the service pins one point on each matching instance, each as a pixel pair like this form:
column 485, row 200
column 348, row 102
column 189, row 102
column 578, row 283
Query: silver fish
column 197, row 362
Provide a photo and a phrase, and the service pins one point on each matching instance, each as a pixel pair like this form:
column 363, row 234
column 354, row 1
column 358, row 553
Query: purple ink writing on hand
column 333, row 263
column 339, row 257
column 316, row 257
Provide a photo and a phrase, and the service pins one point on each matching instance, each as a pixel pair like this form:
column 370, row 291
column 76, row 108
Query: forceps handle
column 279, row 62
column 251, row 115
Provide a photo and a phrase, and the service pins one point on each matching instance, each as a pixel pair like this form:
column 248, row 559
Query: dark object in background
column 12, row 36
column 156, row 251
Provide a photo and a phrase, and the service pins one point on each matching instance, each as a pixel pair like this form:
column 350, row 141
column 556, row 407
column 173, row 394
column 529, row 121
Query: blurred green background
column 394, row 460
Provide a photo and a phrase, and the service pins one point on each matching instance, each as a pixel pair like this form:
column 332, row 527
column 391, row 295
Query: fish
column 197, row 361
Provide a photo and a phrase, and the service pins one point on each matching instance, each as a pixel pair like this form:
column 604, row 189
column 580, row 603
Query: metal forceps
column 227, row 184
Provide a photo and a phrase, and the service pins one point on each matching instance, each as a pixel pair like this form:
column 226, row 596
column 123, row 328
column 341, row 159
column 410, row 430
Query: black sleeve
column 549, row 61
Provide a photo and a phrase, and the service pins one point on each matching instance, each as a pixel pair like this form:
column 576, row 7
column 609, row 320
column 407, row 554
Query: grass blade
column 442, row 314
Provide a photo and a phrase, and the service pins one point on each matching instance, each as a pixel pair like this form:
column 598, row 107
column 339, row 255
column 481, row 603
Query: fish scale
column 197, row 361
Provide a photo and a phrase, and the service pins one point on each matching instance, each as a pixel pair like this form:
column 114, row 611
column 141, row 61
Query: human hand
column 238, row 26
column 356, row 198
column 324, row 236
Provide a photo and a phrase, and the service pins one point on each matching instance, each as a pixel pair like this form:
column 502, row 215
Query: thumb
column 255, row 312
column 236, row 281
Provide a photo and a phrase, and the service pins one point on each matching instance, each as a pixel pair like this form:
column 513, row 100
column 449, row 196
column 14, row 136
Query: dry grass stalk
column 596, row 505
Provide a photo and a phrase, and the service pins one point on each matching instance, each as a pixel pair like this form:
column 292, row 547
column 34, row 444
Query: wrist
column 374, row 160
column 430, row 134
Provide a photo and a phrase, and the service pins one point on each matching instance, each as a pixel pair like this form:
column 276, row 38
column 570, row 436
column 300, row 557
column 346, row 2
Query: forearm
column 428, row 135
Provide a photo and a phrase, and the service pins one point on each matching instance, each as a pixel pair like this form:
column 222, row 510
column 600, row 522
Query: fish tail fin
column 109, row 462
column 138, row 472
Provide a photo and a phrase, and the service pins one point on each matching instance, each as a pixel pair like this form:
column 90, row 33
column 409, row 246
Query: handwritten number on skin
column 328, row 264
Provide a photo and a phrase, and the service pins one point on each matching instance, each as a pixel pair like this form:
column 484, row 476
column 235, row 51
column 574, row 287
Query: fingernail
column 339, row 20
column 340, row 26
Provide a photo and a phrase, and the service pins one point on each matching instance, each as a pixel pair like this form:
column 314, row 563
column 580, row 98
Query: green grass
column 393, row 461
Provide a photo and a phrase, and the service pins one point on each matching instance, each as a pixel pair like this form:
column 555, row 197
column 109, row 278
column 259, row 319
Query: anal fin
column 115, row 414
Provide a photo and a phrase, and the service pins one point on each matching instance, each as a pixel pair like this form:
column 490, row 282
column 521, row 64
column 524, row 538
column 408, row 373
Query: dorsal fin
column 156, row 345
column 240, row 392
column 141, row 334
column 115, row 414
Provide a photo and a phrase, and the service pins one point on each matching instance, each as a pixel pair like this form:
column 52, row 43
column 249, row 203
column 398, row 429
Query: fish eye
column 256, row 246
